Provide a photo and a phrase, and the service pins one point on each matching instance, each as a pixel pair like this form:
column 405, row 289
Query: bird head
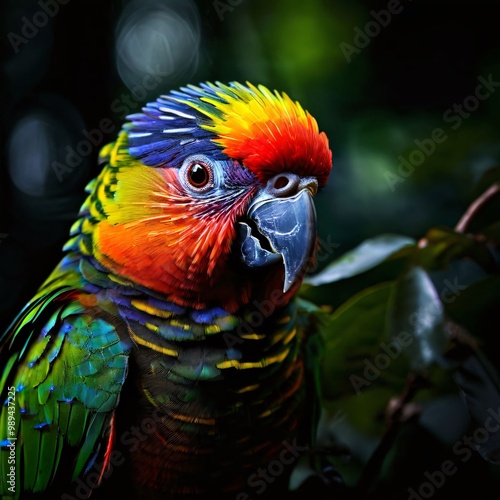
column 206, row 196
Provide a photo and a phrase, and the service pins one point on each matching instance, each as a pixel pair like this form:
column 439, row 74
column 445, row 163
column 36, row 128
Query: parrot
column 168, row 354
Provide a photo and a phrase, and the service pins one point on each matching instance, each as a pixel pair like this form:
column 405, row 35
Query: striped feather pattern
column 221, row 401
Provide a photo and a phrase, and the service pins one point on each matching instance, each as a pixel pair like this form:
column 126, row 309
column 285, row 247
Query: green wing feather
column 66, row 365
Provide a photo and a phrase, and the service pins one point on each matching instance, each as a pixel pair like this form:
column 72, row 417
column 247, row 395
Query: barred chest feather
column 212, row 397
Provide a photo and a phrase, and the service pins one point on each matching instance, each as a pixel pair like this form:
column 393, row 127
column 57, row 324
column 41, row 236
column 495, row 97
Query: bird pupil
column 198, row 175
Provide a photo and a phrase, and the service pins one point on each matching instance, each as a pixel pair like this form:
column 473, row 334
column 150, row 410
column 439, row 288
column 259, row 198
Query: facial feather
column 160, row 237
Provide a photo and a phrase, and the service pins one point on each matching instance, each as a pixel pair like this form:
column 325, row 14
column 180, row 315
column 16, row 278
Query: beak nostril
column 284, row 184
column 280, row 182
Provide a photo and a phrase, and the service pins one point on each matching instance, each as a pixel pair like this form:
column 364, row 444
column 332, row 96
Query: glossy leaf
column 416, row 310
column 441, row 245
column 353, row 339
column 362, row 258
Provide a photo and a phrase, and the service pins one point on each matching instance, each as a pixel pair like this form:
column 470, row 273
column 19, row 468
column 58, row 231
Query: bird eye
column 198, row 175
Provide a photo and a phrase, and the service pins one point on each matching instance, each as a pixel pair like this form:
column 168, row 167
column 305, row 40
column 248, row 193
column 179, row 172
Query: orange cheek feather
column 162, row 239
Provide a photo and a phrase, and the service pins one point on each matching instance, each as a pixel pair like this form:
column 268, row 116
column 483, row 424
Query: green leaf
column 366, row 411
column 353, row 338
column 332, row 295
column 416, row 314
column 365, row 256
column 441, row 245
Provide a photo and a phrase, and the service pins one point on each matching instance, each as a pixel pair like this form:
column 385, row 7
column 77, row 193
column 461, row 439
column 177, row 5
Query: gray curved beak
column 280, row 228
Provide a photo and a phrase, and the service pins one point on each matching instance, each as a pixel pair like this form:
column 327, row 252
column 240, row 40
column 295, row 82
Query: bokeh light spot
column 157, row 44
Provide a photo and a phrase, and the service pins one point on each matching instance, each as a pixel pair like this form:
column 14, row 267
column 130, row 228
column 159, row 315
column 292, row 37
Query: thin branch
column 476, row 206
column 396, row 418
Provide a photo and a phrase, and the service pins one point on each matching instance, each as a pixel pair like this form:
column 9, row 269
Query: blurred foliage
column 399, row 249
column 416, row 331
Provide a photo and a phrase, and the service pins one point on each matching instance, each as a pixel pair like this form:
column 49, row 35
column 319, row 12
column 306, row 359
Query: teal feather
column 88, row 450
column 48, row 450
column 77, row 424
column 67, row 380
column 30, row 448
